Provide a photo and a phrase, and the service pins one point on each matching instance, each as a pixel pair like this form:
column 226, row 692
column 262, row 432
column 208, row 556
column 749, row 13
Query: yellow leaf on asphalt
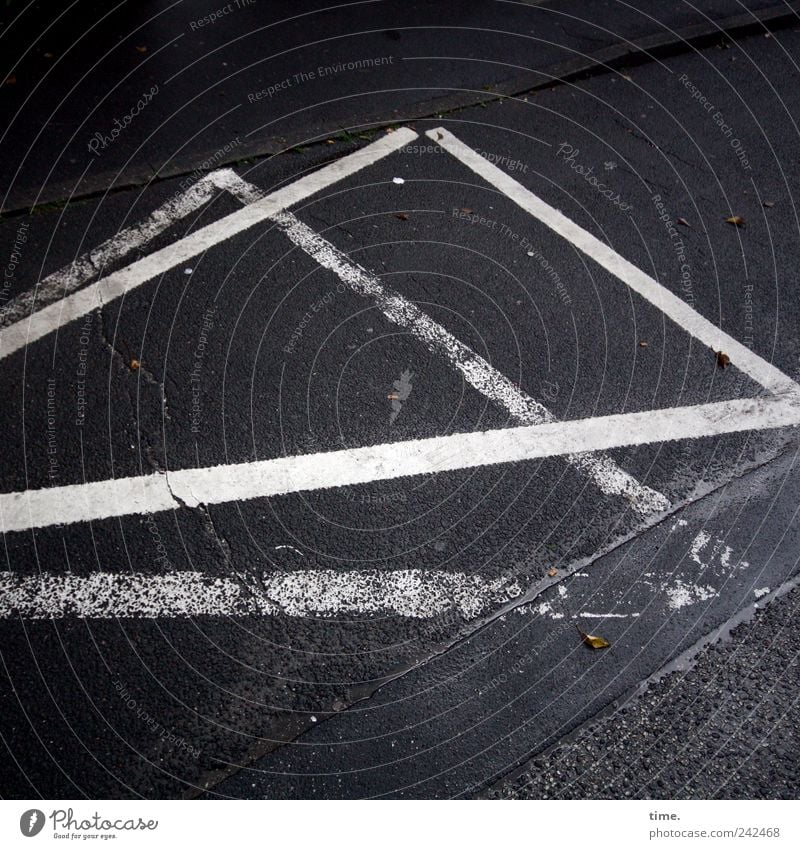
column 593, row 641
column 736, row 220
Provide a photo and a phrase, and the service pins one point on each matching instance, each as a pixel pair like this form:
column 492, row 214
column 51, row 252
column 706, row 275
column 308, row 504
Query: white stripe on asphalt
column 610, row 479
column 89, row 265
column 671, row 305
column 353, row 466
column 323, row 593
column 74, row 306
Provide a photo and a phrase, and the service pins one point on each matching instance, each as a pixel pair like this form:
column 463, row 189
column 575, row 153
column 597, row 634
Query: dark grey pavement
column 100, row 97
column 385, row 704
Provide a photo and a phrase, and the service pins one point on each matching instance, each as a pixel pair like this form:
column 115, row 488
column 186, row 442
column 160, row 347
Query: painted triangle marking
column 540, row 437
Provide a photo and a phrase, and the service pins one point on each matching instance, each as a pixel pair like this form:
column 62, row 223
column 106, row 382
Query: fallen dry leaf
column 134, row 365
column 330, row 141
column 401, row 215
column 439, row 136
column 768, row 204
column 643, row 344
column 10, row 80
column 593, row 641
column 142, row 49
column 552, row 571
column 393, row 396
column 723, row 360
column 466, row 210
column 736, row 220
column 684, row 222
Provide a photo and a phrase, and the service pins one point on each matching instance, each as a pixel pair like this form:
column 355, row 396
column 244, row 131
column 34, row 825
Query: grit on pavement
column 680, row 740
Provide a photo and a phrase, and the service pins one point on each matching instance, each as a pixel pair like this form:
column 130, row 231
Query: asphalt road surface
column 435, row 438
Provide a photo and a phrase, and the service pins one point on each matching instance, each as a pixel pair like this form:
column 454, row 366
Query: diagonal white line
column 309, row 472
column 671, row 305
column 474, row 369
column 90, row 264
column 78, row 304
column 311, row 593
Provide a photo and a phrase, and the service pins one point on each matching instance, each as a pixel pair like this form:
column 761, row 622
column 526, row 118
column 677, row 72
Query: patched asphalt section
column 526, row 680
column 725, row 729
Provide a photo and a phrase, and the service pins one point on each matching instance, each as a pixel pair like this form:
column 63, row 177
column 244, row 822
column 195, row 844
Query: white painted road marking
column 91, row 264
column 545, row 438
column 482, row 376
column 348, row 467
column 314, row 593
column 651, row 290
column 75, row 306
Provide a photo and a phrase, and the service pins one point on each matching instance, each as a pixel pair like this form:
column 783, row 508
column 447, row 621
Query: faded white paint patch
column 720, row 553
column 761, row 593
column 698, row 544
column 681, row 594
column 291, row 548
